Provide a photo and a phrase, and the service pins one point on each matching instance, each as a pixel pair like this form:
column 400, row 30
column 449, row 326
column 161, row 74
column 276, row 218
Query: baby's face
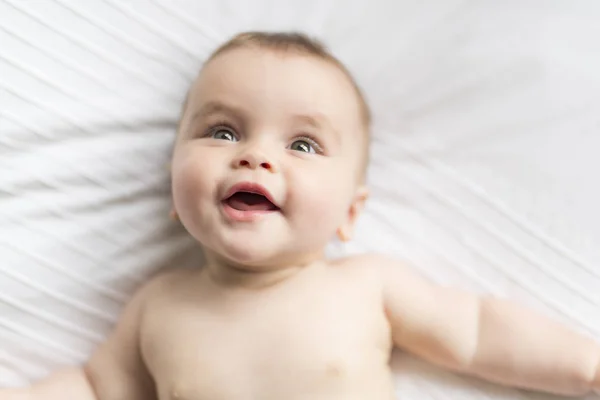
column 285, row 126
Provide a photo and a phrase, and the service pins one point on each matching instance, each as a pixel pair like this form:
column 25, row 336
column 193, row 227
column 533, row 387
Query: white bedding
column 484, row 174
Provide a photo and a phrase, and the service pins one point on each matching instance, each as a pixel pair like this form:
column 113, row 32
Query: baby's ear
column 345, row 231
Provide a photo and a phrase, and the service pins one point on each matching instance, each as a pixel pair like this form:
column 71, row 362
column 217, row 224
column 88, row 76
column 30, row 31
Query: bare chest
column 299, row 344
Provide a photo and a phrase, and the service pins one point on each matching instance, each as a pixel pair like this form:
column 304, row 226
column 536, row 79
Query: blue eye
column 302, row 145
column 222, row 133
column 306, row 145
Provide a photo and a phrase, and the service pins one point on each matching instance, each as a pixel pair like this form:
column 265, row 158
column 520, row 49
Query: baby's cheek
column 191, row 185
column 192, row 196
column 185, row 184
column 323, row 213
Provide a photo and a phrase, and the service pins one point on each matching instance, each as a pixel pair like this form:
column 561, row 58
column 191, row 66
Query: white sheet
column 484, row 170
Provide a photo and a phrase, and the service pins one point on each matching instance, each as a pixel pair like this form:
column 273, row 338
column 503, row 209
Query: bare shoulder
column 117, row 367
column 164, row 282
column 394, row 276
column 377, row 264
column 375, row 268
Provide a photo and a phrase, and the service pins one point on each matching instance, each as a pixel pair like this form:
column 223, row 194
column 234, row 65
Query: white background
column 485, row 172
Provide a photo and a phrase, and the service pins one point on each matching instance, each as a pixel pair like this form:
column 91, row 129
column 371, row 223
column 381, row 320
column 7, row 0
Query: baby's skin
column 268, row 167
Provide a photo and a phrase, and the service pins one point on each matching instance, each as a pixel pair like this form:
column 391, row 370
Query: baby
column 268, row 166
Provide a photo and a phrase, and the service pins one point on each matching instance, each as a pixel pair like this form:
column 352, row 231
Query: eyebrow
column 319, row 122
column 216, row 107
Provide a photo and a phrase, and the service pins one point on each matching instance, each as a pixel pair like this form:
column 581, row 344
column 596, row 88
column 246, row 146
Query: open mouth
column 249, row 201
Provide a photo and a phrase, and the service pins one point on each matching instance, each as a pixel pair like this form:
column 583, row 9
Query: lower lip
column 244, row 215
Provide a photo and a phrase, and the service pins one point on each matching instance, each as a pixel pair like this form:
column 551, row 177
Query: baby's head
column 270, row 158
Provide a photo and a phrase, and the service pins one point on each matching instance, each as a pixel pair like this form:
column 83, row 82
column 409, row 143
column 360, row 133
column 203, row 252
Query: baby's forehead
column 253, row 77
column 271, row 67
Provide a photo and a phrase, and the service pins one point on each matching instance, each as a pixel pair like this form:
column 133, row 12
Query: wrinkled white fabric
column 484, row 166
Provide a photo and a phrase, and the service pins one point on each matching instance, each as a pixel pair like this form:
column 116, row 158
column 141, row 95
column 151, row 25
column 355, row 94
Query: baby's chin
column 256, row 260
column 260, row 258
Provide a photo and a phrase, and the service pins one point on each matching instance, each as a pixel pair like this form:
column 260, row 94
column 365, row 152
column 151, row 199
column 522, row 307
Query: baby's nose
column 254, row 160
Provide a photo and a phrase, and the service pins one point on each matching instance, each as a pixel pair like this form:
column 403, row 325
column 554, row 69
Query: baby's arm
column 67, row 384
column 115, row 371
column 486, row 337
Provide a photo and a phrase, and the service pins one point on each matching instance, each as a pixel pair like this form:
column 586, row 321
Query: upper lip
column 250, row 187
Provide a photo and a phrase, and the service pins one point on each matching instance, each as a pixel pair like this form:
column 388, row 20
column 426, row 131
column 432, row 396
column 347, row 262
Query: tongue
column 250, row 202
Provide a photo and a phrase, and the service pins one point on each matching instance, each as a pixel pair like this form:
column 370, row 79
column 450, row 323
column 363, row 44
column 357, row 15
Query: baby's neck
column 230, row 275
